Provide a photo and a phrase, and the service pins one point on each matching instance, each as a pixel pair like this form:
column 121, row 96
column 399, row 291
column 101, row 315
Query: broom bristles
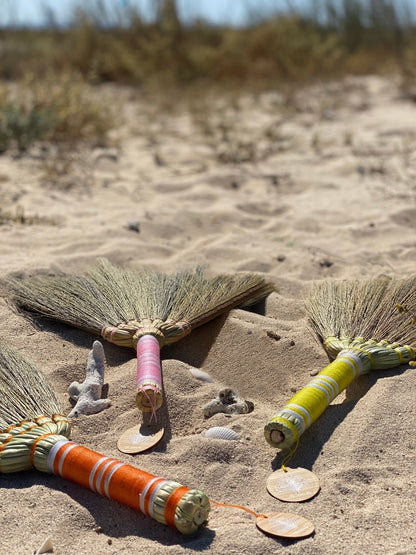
column 108, row 295
column 31, row 442
column 364, row 325
column 381, row 308
column 24, row 391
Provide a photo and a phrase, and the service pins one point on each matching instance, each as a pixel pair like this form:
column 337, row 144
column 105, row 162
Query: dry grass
column 60, row 109
column 24, row 391
column 380, row 309
column 123, row 47
column 55, row 71
column 19, row 217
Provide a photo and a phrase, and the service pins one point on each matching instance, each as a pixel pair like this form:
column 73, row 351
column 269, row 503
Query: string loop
column 233, row 506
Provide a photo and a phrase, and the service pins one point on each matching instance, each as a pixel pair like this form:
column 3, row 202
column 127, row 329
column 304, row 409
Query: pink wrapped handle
column 149, row 374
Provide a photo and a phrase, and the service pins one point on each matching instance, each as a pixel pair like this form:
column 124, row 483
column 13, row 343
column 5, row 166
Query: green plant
column 119, row 44
column 21, row 127
column 61, row 109
column 21, row 218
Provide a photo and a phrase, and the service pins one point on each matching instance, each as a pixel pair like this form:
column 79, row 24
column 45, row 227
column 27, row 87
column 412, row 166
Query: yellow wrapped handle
column 306, row 406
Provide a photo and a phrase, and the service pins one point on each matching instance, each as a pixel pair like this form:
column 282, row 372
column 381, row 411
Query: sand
column 323, row 188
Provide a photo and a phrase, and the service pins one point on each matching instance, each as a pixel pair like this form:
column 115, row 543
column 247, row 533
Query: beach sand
column 321, row 189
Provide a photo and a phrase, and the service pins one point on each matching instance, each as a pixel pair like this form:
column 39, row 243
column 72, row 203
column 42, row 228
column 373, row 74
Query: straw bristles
column 380, row 309
column 364, row 325
column 24, row 392
column 108, row 295
column 28, row 437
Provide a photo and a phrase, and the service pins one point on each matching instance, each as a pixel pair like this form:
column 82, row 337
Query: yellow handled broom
column 364, row 325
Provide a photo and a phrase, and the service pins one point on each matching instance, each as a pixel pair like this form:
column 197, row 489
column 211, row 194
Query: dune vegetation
column 49, row 77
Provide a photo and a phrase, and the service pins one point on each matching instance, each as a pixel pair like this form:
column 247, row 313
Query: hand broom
column 34, row 433
column 364, row 325
column 143, row 309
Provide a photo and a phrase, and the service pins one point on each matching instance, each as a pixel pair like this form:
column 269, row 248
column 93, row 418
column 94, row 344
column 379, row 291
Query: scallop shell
column 218, row 432
column 200, row 375
column 46, row 547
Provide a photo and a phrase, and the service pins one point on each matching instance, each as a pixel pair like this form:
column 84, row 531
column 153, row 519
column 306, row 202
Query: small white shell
column 46, row 547
column 218, row 432
column 200, row 375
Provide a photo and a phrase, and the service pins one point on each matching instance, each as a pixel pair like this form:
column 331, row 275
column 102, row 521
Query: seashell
column 46, row 547
column 219, row 432
column 200, row 375
column 227, row 402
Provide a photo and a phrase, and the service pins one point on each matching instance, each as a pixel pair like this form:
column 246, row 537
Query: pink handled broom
column 144, row 310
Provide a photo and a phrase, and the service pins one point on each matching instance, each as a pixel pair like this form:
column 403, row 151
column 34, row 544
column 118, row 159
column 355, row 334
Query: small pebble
column 134, row 226
column 273, row 335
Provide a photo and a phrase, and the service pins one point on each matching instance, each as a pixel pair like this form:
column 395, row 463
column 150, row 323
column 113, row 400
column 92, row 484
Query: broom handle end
column 307, row 405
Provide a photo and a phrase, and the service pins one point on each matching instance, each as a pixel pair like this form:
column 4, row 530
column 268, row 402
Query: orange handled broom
column 34, row 433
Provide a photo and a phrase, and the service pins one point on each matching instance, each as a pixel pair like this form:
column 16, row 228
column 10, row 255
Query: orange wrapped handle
column 153, row 496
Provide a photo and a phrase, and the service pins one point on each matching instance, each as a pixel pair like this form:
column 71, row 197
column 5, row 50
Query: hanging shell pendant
column 293, row 484
column 139, row 438
column 285, row 525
